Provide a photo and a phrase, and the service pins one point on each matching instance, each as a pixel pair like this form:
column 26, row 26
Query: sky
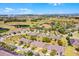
column 39, row 8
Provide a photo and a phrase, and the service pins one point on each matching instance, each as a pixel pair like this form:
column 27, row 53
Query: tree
column 61, row 30
column 32, row 37
column 26, row 45
column 53, row 53
column 21, row 42
column 24, row 35
column 8, row 47
column 44, row 51
column 77, row 49
column 78, row 30
column 2, row 44
column 70, row 34
column 25, row 53
column 68, row 40
column 11, row 48
column 63, row 42
column 29, row 53
column 60, row 43
column 34, row 47
column 33, row 20
column 45, row 39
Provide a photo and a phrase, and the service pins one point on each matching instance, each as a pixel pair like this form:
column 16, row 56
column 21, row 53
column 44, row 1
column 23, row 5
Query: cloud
column 55, row 4
column 25, row 10
column 8, row 9
column 15, row 11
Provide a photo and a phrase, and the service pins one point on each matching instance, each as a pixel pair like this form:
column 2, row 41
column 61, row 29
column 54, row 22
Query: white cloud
column 25, row 10
column 15, row 11
column 55, row 4
column 8, row 9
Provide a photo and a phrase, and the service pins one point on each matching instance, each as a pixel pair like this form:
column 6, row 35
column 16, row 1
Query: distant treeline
column 22, row 26
column 15, row 20
column 1, row 19
column 21, row 20
column 35, row 20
